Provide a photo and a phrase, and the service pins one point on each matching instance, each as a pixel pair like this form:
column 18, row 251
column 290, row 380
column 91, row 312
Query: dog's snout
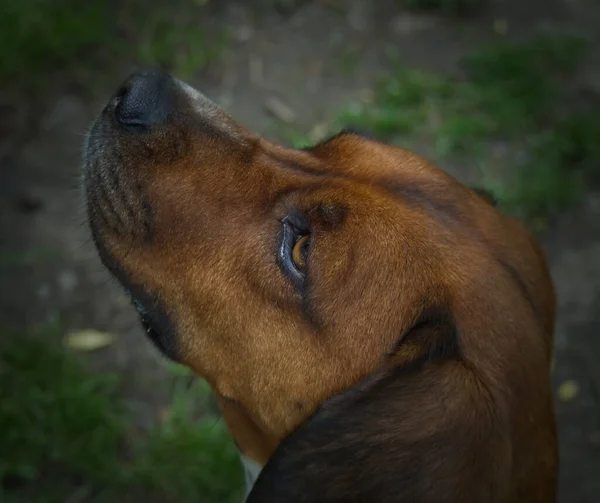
column 144, row 100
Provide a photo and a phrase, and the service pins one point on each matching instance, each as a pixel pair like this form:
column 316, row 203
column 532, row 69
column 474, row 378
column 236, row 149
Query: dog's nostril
column 121, row 92
column 115, row 100
column 118, row 97
column 144, row 100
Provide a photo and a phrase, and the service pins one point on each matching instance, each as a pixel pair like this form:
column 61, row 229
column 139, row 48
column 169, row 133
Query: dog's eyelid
column 313, row 209
column 298, row 222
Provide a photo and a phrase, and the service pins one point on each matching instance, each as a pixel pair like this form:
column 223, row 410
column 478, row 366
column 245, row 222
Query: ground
column 286, row 72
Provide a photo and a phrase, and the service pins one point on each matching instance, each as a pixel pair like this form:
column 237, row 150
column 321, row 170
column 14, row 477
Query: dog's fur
column 411, row 364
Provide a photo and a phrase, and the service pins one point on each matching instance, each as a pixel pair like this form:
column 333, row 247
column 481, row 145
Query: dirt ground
column 50, row 271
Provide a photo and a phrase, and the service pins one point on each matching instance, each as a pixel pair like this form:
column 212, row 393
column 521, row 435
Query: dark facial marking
column 432, row 337
column 155, row 322
column 106, row 208
column 518, row 280
column 432, row 201
column 331, row 215
column 309, row 312
column 147, row 221
column 303, row 169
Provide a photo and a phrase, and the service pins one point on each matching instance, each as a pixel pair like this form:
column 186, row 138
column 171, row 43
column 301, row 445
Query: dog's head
column 284, row 276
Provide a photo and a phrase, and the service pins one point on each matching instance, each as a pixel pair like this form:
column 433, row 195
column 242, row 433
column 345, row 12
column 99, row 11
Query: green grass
column 514, row 94
column 190, row 461
column 66, row 433
column 172, row 37
column 51, row 416
column 293, row 138
column 207, row 466
column 40, row 37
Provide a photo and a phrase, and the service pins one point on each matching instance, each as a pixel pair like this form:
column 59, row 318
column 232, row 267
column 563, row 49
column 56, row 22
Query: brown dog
column 374, row 331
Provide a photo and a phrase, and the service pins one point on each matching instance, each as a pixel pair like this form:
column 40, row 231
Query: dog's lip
column 148, row 328
column 157, row 338
column 143, row 314
column 155, row 330
column 140, row 308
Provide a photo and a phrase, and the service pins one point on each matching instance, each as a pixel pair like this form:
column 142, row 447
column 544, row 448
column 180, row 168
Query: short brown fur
column 189, row 215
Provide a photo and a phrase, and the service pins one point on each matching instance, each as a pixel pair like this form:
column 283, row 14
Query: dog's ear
column 423, row 430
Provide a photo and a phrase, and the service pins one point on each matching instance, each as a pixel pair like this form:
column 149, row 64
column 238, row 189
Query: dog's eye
column 294, row 249
column 299, row 253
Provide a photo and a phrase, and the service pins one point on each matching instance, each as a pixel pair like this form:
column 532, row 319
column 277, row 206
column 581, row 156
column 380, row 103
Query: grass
column 172, row 37
column 40, row 37
column 50, row 416
column 511, row 96
column 292, row 138
column 66, row 435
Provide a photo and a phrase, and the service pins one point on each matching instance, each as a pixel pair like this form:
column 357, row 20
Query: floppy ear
column 422, row 430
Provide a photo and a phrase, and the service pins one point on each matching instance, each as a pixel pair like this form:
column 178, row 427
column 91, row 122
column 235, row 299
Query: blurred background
column 502, row 93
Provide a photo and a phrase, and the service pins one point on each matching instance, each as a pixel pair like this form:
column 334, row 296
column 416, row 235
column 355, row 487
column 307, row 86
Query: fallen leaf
column 501, row 26
column 164, row 414
column 367, row 96
column 318, row 132
column 88, row 340
column 568, row 390
column 279, row 110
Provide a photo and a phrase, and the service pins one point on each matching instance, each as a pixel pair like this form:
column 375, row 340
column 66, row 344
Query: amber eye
column 299, row 253
column 294, row 247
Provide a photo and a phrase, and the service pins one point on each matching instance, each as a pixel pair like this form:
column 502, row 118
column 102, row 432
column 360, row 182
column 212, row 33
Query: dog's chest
column 251, row 471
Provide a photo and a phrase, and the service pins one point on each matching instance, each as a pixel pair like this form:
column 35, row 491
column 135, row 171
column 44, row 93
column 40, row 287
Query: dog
column 372, row 329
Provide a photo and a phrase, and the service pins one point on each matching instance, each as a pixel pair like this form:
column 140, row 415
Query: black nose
column 144, row 100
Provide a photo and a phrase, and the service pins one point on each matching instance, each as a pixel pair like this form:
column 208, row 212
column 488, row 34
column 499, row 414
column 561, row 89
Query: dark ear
column 486, row 194
column 421, row 431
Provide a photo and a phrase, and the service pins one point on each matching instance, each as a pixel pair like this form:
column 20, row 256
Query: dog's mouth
column 154, row 336
column 151, row 312
column 119, row 152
